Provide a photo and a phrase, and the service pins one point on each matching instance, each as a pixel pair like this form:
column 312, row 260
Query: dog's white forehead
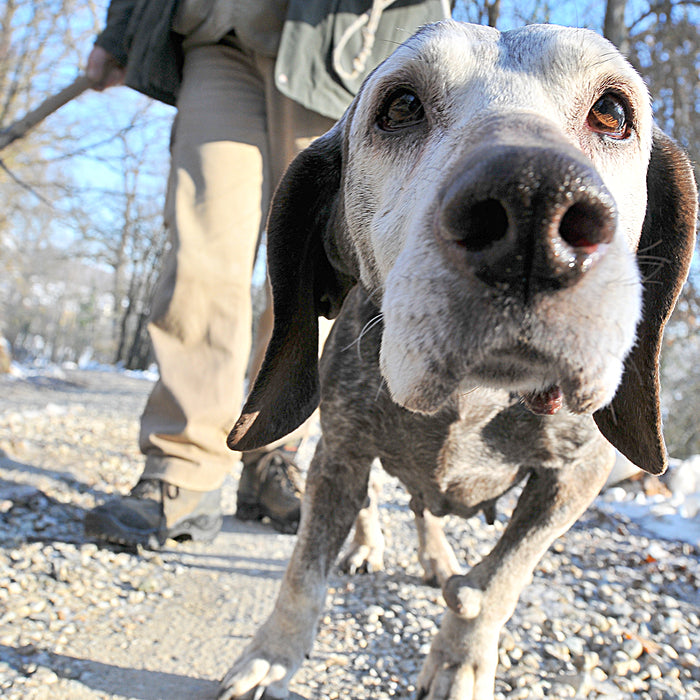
column 530, row 66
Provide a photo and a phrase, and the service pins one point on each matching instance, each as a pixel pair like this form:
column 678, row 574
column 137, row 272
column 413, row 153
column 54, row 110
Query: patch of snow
column 672, row 518
column 27, row 371
column 151, row 374
column 22, row 371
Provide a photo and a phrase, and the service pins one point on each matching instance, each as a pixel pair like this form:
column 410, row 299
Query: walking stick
column 20, row 127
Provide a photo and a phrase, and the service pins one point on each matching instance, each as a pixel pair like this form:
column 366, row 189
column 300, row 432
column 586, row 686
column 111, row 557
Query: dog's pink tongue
column 544, row 403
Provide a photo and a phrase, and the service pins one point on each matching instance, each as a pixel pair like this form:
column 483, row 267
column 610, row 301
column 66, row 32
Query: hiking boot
column 155, row 511
column 270, row 487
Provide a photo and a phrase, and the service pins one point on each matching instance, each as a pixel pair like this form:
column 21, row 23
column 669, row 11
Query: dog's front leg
column 464, row 654
column 434, row 551
column 335, row 492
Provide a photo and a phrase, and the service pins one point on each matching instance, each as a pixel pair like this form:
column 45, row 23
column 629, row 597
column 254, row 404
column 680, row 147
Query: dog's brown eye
column 401, row 109
column 608, row 116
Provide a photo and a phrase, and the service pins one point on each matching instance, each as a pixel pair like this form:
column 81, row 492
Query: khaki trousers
column 233, row 137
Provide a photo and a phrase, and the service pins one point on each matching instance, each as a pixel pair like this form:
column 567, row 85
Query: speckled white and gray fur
column 477, row 85
column 416, row 335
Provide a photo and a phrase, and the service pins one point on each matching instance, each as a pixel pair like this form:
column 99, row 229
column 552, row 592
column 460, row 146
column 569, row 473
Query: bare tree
column 123, row 227
column 479, row 11
column 83, row 190
column 37, row 41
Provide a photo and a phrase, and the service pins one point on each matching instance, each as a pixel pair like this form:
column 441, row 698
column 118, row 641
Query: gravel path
column 611, row 613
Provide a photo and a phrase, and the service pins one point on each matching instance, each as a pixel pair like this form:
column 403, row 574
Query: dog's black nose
column 530, row 218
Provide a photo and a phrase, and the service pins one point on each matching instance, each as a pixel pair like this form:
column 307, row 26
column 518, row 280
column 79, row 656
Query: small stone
column 45, row 676
column 654, row 671
column 148, row 585
column 516, row 654
column 507, row 642
column 373, row 613
column 682, row 642
column 633, row 648
column 558, row 651
column 587, row 661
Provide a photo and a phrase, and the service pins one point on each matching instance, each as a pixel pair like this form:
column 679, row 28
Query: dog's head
column 508, row 204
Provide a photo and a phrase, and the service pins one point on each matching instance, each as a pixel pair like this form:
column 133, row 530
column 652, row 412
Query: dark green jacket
column 139, row 35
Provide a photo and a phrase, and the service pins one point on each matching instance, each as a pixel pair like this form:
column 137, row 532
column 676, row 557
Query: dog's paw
column 255, row 676
column 362, row 558
column 265, row 667
column 461, row 663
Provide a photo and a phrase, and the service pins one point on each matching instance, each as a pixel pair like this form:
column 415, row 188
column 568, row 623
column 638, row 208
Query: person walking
column 254, row 82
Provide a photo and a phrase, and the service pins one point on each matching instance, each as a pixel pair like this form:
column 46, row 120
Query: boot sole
column 255, row 511
column 100, row 526
column 202, row 528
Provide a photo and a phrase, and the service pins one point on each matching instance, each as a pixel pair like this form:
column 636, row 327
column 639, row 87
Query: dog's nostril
column 478, row 225
column 489, row 223
column 586, row 225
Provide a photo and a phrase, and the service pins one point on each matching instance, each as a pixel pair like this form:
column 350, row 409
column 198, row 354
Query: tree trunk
column 122, row 338
column 494, row 12
column 614, row 27
column 140, row 351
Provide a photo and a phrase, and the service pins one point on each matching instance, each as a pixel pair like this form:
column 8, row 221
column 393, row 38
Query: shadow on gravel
column 70, row 480
column 55, row 384
column 232, row 525
column 253, row 567
column 28, row 514
column 134, row 683
column 236, row 551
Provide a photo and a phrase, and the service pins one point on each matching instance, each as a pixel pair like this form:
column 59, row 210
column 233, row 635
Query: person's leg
column 201, row 316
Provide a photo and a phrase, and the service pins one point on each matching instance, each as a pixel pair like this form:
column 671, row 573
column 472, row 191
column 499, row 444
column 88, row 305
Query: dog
column 507, row 233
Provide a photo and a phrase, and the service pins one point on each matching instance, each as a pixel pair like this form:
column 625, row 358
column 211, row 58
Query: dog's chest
column 458, row 460
column 462, row 461
column 493, row 445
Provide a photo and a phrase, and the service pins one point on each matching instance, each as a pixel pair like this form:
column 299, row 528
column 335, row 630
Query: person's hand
column 103, row 70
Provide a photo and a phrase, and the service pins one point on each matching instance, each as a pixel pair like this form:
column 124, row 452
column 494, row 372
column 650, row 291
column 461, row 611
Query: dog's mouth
column 544, row 403
column 544, row 383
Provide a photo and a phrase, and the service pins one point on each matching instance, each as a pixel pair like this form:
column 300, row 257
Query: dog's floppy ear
column 632, row 422
column 303, row 217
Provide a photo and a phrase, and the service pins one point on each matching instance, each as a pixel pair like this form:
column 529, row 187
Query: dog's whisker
column 655, row 258
column 651, row 246
column 380, row 390
column 365, row 329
